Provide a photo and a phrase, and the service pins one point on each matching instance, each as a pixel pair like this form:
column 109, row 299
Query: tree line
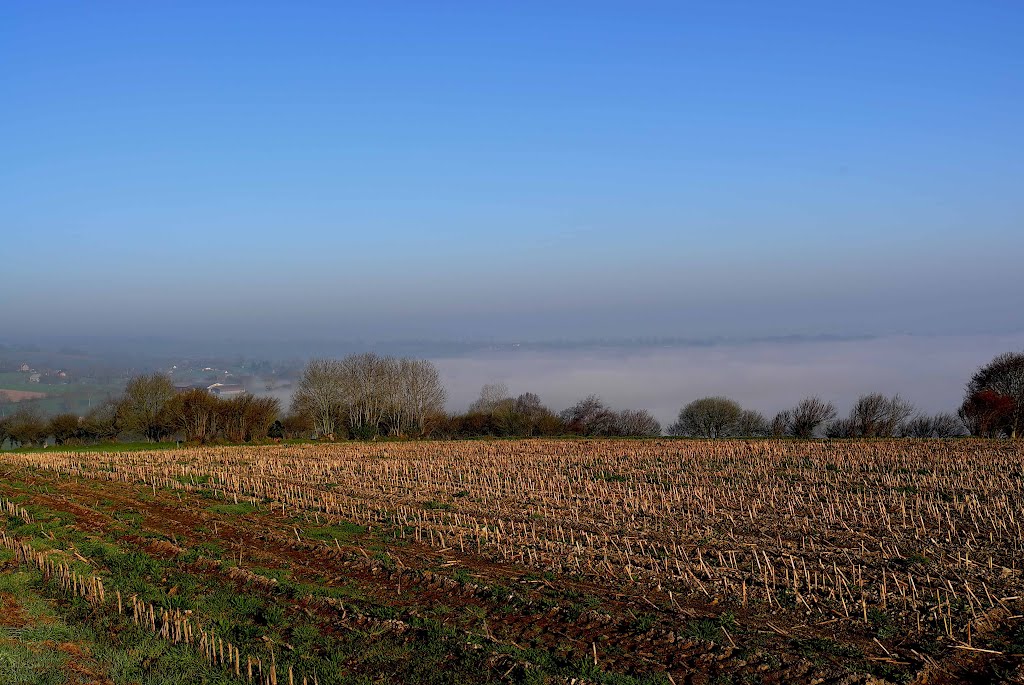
column 151, row 408
column 872, row 416
column 993, row 407
column 496, row 413
column 367, row 395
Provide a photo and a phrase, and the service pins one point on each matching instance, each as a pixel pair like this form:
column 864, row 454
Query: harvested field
column 20, row 395
column 562, row 561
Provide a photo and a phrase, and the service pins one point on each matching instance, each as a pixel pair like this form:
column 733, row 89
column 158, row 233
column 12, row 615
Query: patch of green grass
column 890, row 673
column 882, row 624
column 386, row 560
column 813, row 646
column 643, row 623
column 240, row 509
column 381, row 611
column 132, row 519
column 209, row 549
column 27, row 653
column 594, row 673
column 703, row 630
column 909, row 561
column 105, row 447
column 25, row 662
column 342, row 532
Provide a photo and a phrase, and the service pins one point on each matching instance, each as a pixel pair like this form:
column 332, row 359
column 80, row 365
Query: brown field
column 648, row 561
column 20, row 395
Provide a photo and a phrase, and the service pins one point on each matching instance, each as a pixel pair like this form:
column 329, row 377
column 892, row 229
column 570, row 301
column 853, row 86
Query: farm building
column 225, row 390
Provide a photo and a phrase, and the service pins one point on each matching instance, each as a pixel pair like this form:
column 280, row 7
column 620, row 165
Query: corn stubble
column 925, row 533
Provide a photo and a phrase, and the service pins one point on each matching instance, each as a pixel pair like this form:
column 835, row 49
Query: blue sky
column 528, row 169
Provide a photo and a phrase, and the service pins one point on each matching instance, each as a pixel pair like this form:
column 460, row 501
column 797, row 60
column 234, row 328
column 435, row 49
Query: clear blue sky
column 512, row 169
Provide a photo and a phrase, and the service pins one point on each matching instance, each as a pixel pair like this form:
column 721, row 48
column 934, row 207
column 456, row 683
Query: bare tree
column 370, row 394
column 320, row 395
column 232, row 415
column 947, row 425
column 365, row 389
column 524, row 416
column 143, row 407
column 100, row 424
column 878, row 416
column 590, row 417
column 937, row 426
column 1003, row 379
column 708, row 417
column 491, row 395
column 64, row 428
column 808, row 415
column 196, row 415
column 841, row 428
column 752, row 424
column 781, row 423
column 296, row 426
column 260, row 414
column 421, row 393
column 26, row 426
column 534, row 418
column 637, row 423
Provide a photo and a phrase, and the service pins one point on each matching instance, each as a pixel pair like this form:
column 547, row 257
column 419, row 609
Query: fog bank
column 928, row 371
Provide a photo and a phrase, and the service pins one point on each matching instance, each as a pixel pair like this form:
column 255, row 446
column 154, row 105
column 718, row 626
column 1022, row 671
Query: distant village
column 44, row 376
column 222, row 390
column 56, row 382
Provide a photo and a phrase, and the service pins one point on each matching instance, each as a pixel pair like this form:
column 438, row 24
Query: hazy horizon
column 768, row 374
column 529, row 171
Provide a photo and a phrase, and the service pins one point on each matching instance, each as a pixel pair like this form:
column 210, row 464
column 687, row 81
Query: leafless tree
column 877, row 416
column 491, row 395
column 196, row 415
column 808, row 415
column 945, row 425
column 64, row 428
column 637, row 423
column 781, row 423
column 937, row 426
column 1003, row 381
column 370, row 394
column 535, row 418
column 144, row 406
column 708, row 417
column 591, row 417
column 523, row 416
column 841, row 428
column 260, row 414
column 752, row 424
column 365, row 381
column 320, row 395
column 234, row 414
column 420, row 393
column 100, row 423
column 26, row 426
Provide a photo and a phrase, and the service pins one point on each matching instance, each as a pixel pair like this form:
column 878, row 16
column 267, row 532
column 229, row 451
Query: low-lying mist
column 928, row 371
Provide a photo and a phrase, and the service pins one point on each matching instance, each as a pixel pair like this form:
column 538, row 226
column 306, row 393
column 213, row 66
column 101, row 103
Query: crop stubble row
column 927, row 532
